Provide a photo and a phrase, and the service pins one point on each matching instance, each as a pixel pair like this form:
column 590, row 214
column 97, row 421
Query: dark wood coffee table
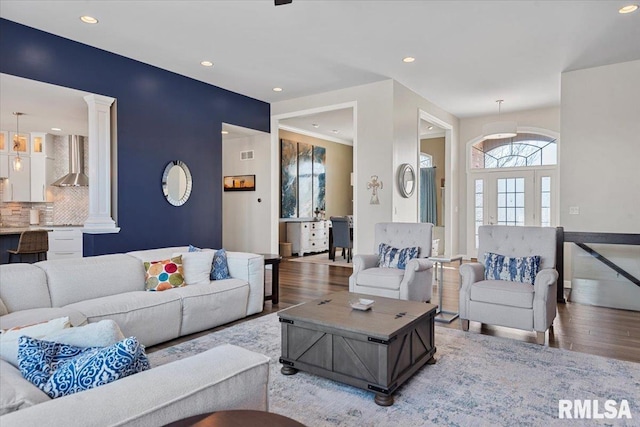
column 237, row 418
column 376, row 350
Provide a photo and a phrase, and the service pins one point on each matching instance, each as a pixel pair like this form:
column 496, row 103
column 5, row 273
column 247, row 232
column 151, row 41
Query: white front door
column 515, row 197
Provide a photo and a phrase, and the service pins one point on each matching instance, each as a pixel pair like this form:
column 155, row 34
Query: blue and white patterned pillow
column 219, row 267
column 516, row 269
column 60, row 369
column 390, row 257
column 194, row 249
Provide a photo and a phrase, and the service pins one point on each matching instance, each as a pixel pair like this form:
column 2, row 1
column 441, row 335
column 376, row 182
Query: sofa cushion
column 378, row 277
column 15, row 392
column 164, row 274
column 152, row 317
column 159, row 253
column 21, row 279
column 196, row 266
column 61, row 369
column 390, row 257
column 206, row 306
column 220, row 268
column 80, row 279
column 513, row 294
column 514, row 269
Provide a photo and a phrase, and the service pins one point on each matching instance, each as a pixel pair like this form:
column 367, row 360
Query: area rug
column 478, row 380
column 323, row 258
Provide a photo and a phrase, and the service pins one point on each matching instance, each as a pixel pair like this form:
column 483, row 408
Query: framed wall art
column 240, row 183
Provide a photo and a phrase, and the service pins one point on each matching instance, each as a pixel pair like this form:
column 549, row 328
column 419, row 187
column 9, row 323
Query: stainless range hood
column 76, row 176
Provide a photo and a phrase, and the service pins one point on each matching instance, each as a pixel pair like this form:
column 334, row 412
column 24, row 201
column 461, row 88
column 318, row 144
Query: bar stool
column 34, row 242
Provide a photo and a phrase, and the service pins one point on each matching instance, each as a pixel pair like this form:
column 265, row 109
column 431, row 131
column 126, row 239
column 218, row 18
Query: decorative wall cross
column 374, row 185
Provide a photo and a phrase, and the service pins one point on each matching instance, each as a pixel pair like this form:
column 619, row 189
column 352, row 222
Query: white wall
column 372, row 149
column 246, row 221
column 471, row 128
column 600, row 150
column 407, row 106
column 386, row 135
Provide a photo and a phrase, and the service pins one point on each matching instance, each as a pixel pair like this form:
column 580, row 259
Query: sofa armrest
column 544, row 299
column 249, row 267
column 223, row 378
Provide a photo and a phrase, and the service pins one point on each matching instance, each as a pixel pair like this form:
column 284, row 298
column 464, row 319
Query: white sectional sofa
column 112, row 287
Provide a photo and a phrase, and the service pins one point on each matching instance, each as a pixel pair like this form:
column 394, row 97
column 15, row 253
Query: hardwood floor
column 583, row 328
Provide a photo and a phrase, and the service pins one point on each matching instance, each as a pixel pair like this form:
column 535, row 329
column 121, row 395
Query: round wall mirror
column 406, row 179
column 176, row 183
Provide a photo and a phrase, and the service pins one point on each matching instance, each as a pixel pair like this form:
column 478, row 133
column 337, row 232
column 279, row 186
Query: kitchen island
column 70, row 244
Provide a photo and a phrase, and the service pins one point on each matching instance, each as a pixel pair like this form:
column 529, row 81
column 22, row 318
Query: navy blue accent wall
column 161, row 116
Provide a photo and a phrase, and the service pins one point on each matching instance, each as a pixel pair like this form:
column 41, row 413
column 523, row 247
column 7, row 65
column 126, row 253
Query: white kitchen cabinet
column 65, row 242
column 41, row 177
column 4, row 165
column 18, row 187
column 4, row 141
column 308, row 236
column 22, row 144
column 41, row 144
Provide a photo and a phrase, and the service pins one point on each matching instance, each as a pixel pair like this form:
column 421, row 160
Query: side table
column 440, row 313
column 274, row 261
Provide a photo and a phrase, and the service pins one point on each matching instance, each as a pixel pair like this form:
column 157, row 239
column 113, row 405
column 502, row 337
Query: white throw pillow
column 9, row 337
column 196, row 266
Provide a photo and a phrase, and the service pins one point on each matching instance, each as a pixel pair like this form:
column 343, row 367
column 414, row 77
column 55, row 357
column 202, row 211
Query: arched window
column 525, row 149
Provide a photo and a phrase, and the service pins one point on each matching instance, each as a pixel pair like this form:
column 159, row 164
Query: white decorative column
column 99, row 220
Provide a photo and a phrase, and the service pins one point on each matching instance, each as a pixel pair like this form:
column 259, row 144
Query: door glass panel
column 545, row 201
column 511, row 201
column 479, row 197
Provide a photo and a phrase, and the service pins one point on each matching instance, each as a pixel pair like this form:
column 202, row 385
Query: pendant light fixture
column 499, row 129
column 17, row 162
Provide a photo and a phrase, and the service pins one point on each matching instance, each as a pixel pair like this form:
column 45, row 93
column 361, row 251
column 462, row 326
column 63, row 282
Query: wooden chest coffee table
column 377, row 350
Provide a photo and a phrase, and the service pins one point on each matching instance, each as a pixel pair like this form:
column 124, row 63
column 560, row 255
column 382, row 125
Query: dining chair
column 342, row 236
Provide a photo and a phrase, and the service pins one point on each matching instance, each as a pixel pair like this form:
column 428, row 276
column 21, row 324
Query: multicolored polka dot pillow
column 165, row 274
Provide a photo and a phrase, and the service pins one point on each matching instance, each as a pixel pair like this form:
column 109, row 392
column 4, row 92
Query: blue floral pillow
column 516, row 269
column 390, row 257
column 61, row 369
column 219, row 267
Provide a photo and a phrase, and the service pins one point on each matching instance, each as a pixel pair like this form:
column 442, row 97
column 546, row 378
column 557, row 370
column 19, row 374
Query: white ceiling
column 44, row 106
column 468, row 53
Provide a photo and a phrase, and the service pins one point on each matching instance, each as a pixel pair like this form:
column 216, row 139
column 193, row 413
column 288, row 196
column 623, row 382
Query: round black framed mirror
column 406, row 179
column 176, row 183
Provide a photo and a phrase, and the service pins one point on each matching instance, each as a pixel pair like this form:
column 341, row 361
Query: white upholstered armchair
column 414, row 282
column 512, row 303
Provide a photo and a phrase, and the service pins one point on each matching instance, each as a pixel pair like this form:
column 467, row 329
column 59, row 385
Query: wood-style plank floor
column 583, row 328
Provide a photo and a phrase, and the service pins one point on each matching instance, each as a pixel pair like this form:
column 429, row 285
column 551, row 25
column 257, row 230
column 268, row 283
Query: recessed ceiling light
column 408, row 59
column 628, row 8
column 315, row 125
column 206, row 63
column 225, row 132
column 335, row 131
column 277, row 89
column 56, row 129
column 430, row 127
column 88, row 19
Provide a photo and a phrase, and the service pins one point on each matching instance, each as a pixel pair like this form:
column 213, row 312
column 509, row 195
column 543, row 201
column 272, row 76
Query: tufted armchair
column 509, row 303
column 414, row 282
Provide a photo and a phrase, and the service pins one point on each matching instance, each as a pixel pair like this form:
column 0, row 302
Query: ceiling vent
column 246, row 155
